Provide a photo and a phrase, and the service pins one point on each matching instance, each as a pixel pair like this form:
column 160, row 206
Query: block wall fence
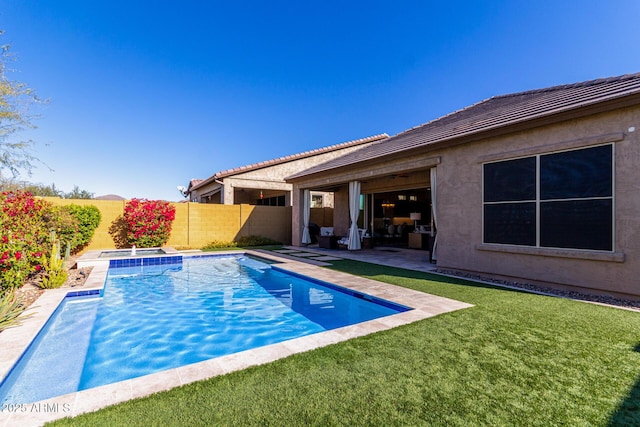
column 198, row 224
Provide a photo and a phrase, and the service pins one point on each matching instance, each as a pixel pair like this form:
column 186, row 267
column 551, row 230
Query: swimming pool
column 153, row 317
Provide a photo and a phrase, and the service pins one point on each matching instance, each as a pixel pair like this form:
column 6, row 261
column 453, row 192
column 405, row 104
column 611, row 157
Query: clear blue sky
column 146, row 95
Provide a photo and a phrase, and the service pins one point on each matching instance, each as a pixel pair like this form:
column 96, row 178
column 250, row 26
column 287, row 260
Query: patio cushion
column 326, row 231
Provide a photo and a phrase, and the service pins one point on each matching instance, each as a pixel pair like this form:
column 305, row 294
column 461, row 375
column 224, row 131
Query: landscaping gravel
column 30, row 291
column 582, row 296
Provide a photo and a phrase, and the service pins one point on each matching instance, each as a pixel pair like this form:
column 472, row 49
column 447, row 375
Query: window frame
column 539, row 201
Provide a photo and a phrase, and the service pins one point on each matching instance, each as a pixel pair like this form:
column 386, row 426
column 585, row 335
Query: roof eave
column 205, row 182
column 547, row 118
column 291, row 158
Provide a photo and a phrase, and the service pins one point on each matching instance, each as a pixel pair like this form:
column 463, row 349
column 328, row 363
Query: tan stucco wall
column 459, row 203
column 267, row 221
column 459, row 197
column 271, row 177
column 341, row 218
column 323, row 217
column 198, row 224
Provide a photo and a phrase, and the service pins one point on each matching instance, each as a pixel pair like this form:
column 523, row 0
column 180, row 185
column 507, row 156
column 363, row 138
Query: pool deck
column 411, row 259
column 14, row 341
column 93, row 258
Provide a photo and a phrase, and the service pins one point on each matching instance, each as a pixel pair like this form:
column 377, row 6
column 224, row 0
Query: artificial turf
column 513, row 359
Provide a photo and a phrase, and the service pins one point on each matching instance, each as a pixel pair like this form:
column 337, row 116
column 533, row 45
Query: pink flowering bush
column 148, row 222
column 26, row 224
column 24, row 236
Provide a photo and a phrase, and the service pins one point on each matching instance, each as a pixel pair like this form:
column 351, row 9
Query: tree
column 77, row 193
column 43, row 190
column 16, row 100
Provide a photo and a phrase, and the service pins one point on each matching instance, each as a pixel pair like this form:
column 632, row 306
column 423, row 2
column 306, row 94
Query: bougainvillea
column 148, row 222
column 24, row 236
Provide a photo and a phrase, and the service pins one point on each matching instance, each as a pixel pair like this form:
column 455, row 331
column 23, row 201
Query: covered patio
column 389, row 208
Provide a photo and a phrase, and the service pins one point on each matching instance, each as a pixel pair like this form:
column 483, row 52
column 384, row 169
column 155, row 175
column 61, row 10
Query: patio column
column 306, row 213
column 354, row 213
column 433, row 211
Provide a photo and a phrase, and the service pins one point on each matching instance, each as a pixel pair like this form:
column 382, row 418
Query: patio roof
column 495, row 116
column 289, row 158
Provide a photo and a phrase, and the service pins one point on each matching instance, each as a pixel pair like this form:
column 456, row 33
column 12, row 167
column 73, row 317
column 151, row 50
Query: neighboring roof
column 279, row 160
column 194, row 182
column 109, row 197
column 496, row 113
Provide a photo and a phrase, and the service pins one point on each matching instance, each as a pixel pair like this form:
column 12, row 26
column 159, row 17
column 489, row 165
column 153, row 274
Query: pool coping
column 15, row 340
column 92, row 258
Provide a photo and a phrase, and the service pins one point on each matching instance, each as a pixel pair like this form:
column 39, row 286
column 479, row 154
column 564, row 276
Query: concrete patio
column 411, row 259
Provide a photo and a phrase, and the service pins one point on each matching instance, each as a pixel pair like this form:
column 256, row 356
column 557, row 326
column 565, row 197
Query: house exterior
column 541, row 186
column 263, row 183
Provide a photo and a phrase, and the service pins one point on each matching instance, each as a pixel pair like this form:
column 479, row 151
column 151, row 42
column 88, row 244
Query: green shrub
column 14, row 265
column 74, row 225
column 219, row 244
column 88, row 218
column 65, row 225
column 10, row 308
column 255, row 241
column 244, row 241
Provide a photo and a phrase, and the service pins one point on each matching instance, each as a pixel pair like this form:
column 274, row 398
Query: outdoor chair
column 390, row 233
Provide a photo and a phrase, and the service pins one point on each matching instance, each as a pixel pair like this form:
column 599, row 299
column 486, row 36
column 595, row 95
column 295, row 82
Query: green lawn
column 513, row 359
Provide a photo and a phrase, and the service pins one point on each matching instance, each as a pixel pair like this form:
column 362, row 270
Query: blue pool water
column 156, row 317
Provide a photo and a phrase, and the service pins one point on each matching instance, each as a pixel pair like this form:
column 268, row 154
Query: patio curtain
column 354, row 213
column 306, row 237
column 433, row 211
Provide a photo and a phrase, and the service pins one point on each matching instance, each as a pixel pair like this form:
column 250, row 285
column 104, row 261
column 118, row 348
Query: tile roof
column 194, row 182
column 279, row 160
column 492, row 114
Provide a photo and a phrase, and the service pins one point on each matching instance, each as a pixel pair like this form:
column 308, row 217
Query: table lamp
column 415, row 216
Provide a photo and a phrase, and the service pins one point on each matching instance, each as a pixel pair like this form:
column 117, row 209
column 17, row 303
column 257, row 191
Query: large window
column 556, row 200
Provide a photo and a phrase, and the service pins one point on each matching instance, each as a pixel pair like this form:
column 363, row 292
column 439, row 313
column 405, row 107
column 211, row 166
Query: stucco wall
column 270, row 177
column 198, row 224
column 267, row 221
column 280, row 171
column 459, row 196
column 323, row 217
column 341, row 218
column 459, row 203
